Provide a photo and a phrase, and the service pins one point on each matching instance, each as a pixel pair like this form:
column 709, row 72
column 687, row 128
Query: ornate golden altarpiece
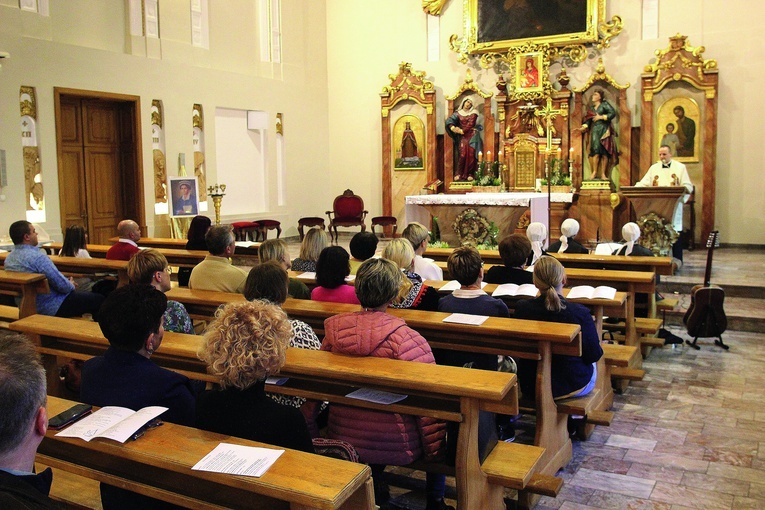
column 408, row 93
column 680, row 71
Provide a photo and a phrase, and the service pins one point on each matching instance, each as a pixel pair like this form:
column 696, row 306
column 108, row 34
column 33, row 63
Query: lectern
column 653, row 208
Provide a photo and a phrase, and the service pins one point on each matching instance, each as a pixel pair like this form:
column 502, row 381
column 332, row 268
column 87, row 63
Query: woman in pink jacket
column 383, row 438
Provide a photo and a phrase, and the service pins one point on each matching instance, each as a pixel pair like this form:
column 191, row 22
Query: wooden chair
column 348, row 211
column 265, row 225
column 385, row 221
column 245, row 229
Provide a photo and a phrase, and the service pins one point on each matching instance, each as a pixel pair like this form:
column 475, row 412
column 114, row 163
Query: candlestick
column 217, row 192
column 480, row 156
column 570, row 161
column 488, row 156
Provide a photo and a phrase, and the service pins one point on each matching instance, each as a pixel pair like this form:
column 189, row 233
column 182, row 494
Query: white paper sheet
column 236, row 459
column 308, row 275
column 465, row 318
column 453, row 285
column 376, row 396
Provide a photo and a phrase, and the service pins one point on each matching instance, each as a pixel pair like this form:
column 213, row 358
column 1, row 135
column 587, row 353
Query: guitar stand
column 713, row 328
column 718, row 341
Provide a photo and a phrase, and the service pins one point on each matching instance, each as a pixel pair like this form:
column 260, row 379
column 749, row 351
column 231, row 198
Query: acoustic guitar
column 706, row 317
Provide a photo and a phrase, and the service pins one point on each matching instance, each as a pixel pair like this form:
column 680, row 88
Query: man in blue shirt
column 62, row 300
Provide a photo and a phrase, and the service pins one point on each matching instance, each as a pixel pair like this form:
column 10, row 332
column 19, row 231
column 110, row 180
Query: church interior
column 273, row 108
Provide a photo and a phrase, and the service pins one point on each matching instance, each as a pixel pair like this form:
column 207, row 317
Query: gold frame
column 598, row 32
column 665, row 115
column 397, row 137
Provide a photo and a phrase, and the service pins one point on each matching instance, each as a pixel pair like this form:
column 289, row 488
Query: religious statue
column 160, row 177
column 462, row 126
column 603, row 153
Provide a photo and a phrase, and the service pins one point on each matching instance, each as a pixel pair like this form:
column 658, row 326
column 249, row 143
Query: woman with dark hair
column 572, row 376
column 382, row 438
column 196, row 241
column 75, row 242
column 332, row 268
column 269, row 282
column 515, row 251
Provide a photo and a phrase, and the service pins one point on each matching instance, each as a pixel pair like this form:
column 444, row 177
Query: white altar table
column 504, row 209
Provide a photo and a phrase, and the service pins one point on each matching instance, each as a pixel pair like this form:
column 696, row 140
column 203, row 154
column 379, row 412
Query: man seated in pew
column 465, row 266
column 23, row 423
column 567, row 244
column 418, row 235
column 62, row 300
column 125, row 376
column 268, row 281
column 216, row 272
column 572, row 376
column 127, row 245
column 246, row 343
column 631, row 234
column 150, row 267
column 276, row 250
column 382, row 438
column 414, row 294
column 362, row 247
column 515, row 250
column 537, row 234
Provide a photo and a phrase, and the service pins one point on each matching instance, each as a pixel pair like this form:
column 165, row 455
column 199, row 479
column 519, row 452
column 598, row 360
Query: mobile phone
column 71, row 415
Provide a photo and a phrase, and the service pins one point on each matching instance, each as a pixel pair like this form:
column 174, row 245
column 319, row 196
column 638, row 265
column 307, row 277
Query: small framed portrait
column 528, row 72
column 677, row 121
column 183, row 197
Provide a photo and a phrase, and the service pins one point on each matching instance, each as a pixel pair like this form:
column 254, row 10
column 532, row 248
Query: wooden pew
column 657, row 265
column 159, row 465
column 23, row 286
column 77, row 266
column 175, row 256
column 242, row 248
column 518, row 338
column 447, row 393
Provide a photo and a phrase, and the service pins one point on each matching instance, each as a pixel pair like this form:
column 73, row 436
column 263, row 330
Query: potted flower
column 559, row 181
column 487, row 178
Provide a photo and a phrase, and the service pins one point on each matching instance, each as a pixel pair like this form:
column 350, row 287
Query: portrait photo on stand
column 183, row 197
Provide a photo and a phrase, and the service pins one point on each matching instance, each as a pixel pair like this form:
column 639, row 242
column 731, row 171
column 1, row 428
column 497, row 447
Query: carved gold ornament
column 601, row 75
column 657, row 234
column 433, row 7
column 469, row 85
column 674, row 63
column 408, row 85
column 471, row 228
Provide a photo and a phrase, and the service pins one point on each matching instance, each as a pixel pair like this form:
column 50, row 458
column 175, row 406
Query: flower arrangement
column 487, row 174
column 557, row 176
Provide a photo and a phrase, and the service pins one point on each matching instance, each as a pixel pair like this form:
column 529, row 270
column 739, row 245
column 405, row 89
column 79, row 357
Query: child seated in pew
column 332, row 269
column 567, row 244
column 537, row 234
column 244, row 344
column 269, row 282
column 125, row 376
column 514, row 249
column 382, row 438
column 572, row 376
column 414, row 294
column 362, row 246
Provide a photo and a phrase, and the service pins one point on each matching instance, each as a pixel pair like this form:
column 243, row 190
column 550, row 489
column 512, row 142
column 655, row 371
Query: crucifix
column 549, row 113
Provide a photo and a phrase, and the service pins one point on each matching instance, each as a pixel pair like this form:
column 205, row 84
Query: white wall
column 367, row 40
column 85, row 44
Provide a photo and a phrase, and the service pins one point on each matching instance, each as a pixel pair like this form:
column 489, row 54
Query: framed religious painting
column 498, row 25
column 183, row 197
column 528, row 77
column 408, row 143
column 677, row 121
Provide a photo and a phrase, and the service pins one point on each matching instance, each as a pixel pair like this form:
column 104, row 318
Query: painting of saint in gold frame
column 408, row 143
column 498, row 25
column 528, row 72
column 677, row 124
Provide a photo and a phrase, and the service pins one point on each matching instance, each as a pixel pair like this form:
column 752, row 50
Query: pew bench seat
column 667, row 304
column 624, row 364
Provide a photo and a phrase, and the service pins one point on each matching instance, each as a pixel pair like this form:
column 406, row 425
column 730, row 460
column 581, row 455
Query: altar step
column 743, row 313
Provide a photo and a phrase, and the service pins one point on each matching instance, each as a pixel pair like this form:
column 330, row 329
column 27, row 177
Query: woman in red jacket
column 383, row 438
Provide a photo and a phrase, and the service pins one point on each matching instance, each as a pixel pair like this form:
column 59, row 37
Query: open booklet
column 513, row 289
column 111, row 422
column 588, row 292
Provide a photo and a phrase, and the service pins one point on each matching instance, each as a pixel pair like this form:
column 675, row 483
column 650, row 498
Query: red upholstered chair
column 348, row 211
column 309, row 221
column 244, row 229
column 265, row 225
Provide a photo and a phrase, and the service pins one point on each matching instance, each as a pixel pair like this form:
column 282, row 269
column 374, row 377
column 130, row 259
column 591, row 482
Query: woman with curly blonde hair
column 246, row 343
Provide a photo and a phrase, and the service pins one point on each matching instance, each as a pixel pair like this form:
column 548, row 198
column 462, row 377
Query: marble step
column 743, row 314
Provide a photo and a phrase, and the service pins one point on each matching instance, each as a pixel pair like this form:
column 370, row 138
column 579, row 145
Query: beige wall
column 366, row 43
column 85, row 44
column 348, row 47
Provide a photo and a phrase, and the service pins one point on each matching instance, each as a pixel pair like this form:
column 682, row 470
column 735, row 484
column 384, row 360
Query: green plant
column 487, row 174
column 435, row 234
column 557, row 176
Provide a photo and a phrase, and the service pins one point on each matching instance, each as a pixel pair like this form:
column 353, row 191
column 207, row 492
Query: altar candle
column 500, row 155
column 488, row 156
column 480, row 156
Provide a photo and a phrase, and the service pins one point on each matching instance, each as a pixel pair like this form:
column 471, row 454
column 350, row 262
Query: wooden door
column 98, row 174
